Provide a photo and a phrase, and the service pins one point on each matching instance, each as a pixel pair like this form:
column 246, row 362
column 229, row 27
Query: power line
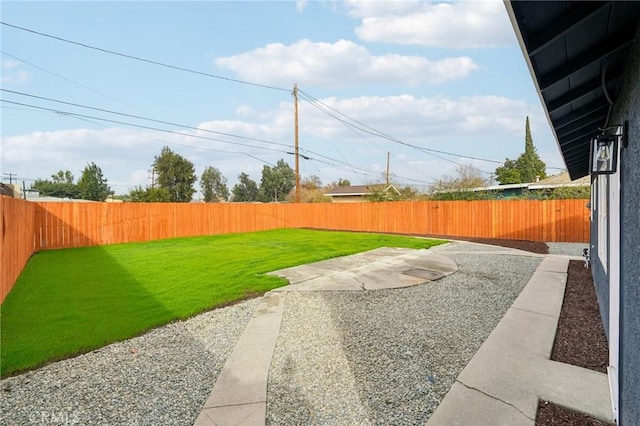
column 377, row 133
column 167, row 142
column 355, row 130
column 368, row 129
column 137, row 58
column 137, row 117
column 73, row 114
column 66, row 79
column 331, row 161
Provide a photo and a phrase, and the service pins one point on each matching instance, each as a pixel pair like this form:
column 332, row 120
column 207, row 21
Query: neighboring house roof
column 359, row 190
column 7, row 190
column 576, row 52
column 560, row 180
column 35, row 196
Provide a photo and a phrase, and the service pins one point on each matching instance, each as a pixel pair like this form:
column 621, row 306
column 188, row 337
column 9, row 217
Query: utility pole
column 388, row 154
column 11, row 176
column 295, row 99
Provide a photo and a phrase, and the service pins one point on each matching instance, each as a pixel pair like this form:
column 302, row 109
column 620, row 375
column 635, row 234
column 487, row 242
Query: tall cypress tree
column 527, row 168
column 529, row 163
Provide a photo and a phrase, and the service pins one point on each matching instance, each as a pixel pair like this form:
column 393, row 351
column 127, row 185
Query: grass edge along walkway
column 71, row 301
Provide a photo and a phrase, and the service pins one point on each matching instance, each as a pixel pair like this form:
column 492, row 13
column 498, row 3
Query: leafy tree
column 246, row 189
column 312, row 182
column 527, row 168
column 63, row 177
column 508, row 172
column 213, row 185
column 311, row 191
column 338, row 183
column 468, row 176
column 277, row 181
column 92, row 184
column 176, row 174
column 149, row 195
column 61, row 185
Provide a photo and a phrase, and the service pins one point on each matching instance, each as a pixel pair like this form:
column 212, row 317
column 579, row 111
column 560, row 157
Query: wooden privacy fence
column 17, row 243
column 29, row 227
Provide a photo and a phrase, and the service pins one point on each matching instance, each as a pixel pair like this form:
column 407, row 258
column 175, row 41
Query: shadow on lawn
column 62, row 305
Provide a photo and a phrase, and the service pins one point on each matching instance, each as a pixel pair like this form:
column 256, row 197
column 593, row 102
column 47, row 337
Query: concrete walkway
column 239, row 396
column 502, row 383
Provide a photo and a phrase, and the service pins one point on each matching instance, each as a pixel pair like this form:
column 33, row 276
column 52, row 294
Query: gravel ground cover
column 388, row 356
column 162, row 377
column 567, row 249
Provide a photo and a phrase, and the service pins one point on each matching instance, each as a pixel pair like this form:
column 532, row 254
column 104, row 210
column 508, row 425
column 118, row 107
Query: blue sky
column 442, row 76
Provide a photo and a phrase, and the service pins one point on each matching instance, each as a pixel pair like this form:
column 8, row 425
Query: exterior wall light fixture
column 603, row 158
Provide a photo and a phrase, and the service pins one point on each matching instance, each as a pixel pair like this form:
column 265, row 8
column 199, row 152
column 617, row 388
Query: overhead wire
column 374, row 132
column 176, row 143
column 368, row 129
column 69, row 113
column 328, row 160
column 149, row 61
column 138, row 117
column 65, row 79
column 379, row 134
column 344, row 159
column 360, row 134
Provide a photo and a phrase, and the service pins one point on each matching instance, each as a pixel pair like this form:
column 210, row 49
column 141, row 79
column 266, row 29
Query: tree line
column 174, row 179
column 91, row 185
column 175, row 176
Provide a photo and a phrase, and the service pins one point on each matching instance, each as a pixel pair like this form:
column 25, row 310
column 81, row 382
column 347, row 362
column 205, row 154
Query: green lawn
column 72, row 301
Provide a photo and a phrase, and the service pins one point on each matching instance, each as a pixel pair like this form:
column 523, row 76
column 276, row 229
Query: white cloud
column 301, row 5
column 421, row 118
column 9, row 65
column 368, row 8
column 12, row 74
column 468, row 24
column 340, row 64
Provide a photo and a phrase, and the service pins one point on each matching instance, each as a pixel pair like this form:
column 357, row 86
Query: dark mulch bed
column 552, row 414
column 580, row 338
column 532, row 246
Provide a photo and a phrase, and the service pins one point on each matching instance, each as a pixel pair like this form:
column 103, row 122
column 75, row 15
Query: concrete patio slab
column 373, row 270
